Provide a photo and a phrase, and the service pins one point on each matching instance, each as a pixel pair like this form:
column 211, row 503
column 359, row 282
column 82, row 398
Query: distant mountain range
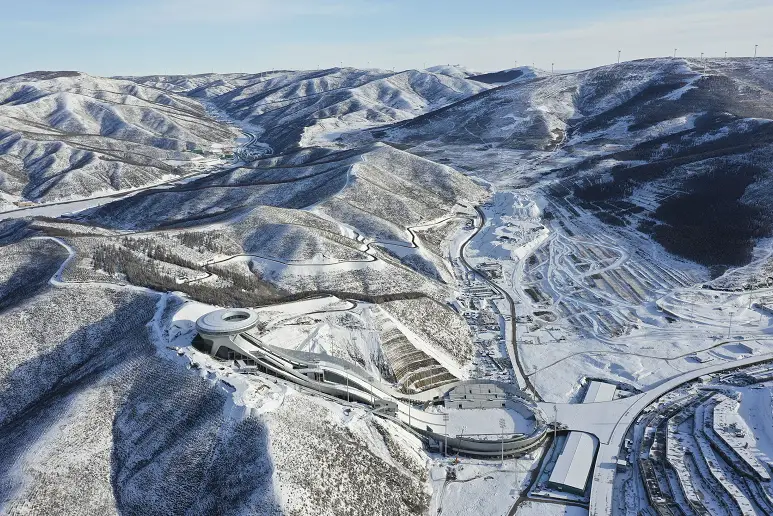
column 676, row 126
column 291, row 109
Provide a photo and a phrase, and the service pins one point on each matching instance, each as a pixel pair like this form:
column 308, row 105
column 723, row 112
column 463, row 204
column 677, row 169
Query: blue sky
column 114, row 37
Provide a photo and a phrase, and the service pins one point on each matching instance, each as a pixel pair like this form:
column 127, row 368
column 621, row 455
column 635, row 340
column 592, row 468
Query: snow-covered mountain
column 307, row 108
column 331, row 208
column 623, row 133
column 67, row 135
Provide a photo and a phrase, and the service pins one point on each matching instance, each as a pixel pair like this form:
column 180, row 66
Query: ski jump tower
column 220, row 328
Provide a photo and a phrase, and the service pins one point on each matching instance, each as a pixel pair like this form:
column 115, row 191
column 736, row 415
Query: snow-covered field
column 480, row 487
column 591, row 303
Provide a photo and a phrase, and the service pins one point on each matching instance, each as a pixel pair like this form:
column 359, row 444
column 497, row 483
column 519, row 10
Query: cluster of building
column 478, row 305
column 692, row 447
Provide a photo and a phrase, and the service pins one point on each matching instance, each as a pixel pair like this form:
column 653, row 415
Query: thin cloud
column 712, row 27
column 239, row 12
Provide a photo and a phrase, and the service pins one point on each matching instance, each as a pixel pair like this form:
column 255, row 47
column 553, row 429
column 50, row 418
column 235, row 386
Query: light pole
column 445, row 431
column 502, row 434
column 517, row 484
column 347, row 387
column 730, row 325
column 755, row 50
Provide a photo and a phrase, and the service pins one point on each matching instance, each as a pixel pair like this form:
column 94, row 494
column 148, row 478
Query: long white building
column 573, row 467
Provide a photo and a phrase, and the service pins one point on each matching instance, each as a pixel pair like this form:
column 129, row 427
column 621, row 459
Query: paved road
column 57, row 209
column 512, row 349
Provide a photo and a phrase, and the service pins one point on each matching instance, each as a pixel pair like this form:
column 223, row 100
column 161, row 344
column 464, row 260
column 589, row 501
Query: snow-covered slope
column 67, row 134
column 341, row 222
column 355, row 236
column 688, row 144
column 309, row 108
column 697, row 133
column 98, row 415
column 378, row 191
column 459, row 71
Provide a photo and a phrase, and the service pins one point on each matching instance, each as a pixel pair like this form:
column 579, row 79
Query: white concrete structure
column 221, row 328
column 573, row 466
column 599, row 391
column 224, row 334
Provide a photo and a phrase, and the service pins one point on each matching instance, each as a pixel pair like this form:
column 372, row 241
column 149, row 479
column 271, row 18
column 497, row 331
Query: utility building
column 599, row 391
column 573, row 467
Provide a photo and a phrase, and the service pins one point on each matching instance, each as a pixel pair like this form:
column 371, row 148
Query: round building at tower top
column 229, row 321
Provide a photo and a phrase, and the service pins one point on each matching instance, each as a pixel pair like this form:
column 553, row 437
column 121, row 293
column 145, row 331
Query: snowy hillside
column 683, row 152
column 92, row 398
column 340, row 223
column 693, row 132
column 67, row 134
column 378, row 191
column 310, row 108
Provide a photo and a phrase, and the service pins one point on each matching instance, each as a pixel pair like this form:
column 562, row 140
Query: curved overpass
column 601, row 497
